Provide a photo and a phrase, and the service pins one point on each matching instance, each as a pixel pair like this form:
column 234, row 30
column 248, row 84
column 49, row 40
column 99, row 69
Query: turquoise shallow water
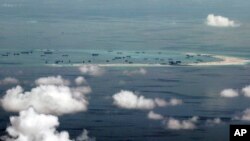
column 81, row 57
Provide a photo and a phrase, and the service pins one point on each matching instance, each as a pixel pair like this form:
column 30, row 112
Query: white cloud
column 160, row 102
column 80, row 80
column 214, row 121
column 140, row 71
column 246, row 91
column 48, row 99
column 129, row 100
column 84, row 136
column 229, row 93
column 80, row 91
column 52, row 80
column 31, row 126
column 175, row 124
column 93, row 70
column 172, row 102
column 9, row 80
column 175, row 101
column 189, row 124
column 245, row 115
column 219, row 21
column 154, row 116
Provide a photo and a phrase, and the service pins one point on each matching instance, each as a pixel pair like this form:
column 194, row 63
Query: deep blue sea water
column 198, row 87
column 173, row 27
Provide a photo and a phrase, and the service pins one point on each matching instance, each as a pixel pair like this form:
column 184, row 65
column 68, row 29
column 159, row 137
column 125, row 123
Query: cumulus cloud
column 213, row 121
column 246, row 91
column 172, row 102
column 219, row 21
column 48, row 99
column 80, row 91
column 84, row 136
column 129, row 100
column 80, row 80
column 175, row 124
column 93, row 70
column 52, row 80
column 140, row 71
column 245, row 115
column 160, row 102
column 9, row 80
column 229, row 93
column 154, row 116
column 189, row 124
column 32, row 126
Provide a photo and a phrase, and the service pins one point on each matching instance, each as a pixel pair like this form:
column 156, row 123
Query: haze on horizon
column 123, row 25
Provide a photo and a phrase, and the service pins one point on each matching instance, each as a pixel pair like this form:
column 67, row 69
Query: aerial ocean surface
column 121, row 69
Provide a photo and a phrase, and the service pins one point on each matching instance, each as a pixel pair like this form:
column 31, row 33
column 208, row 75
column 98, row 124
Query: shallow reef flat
column 114, row 58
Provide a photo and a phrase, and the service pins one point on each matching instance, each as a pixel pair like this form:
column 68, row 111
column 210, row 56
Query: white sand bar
column 224, row 60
